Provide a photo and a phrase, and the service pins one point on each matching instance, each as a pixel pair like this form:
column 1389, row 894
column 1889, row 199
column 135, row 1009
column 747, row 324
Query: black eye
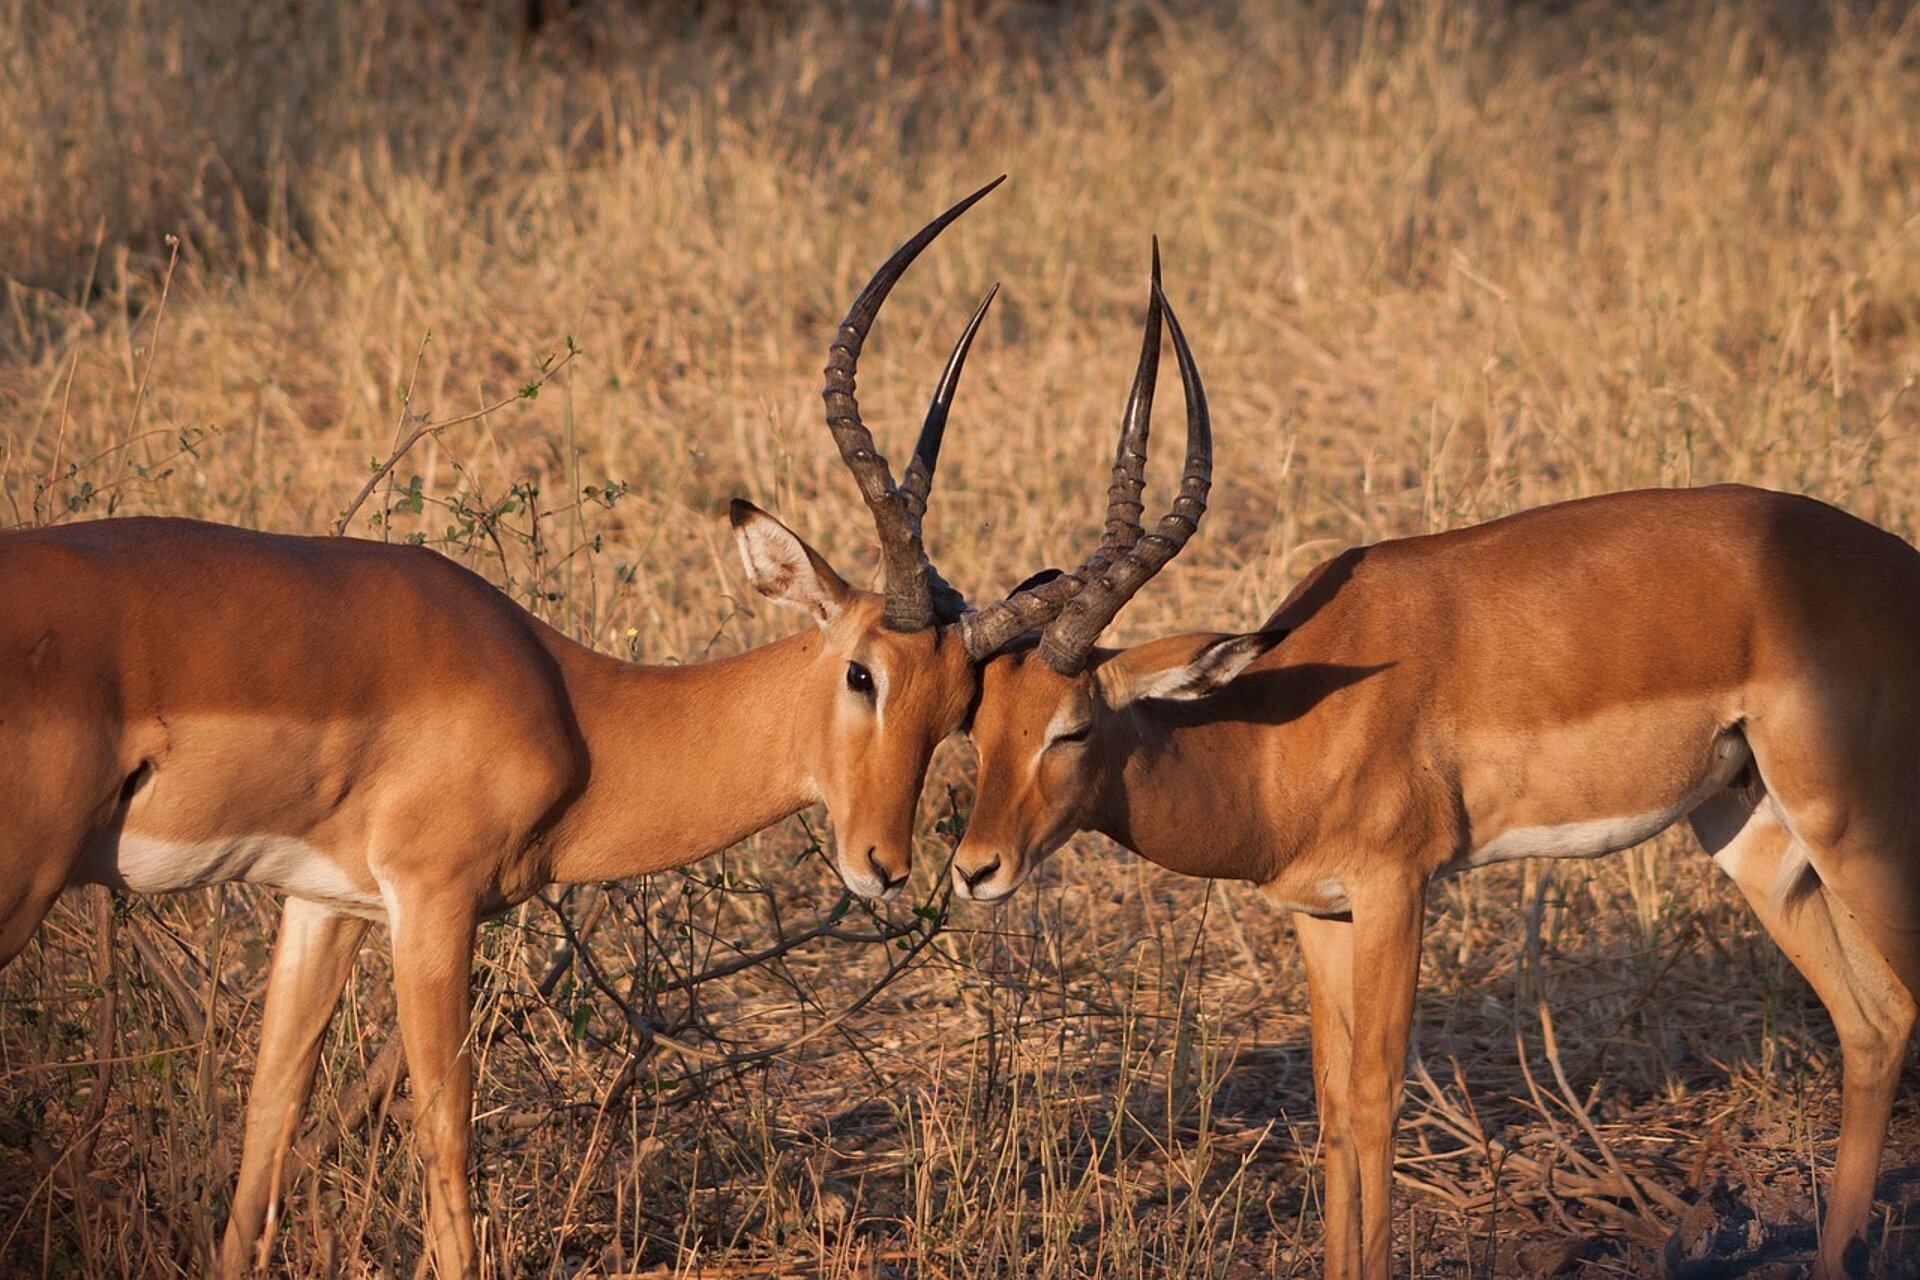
column 859, row 679
column 1077, row 735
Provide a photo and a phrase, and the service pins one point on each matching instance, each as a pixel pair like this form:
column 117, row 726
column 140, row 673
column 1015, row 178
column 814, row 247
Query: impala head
column 1052, row 722
column 896, row 671
column 1052, row 743
column 882, row 700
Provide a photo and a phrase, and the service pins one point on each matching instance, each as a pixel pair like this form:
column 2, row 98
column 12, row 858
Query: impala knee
column 1372, row 1129
column 1875, row 1030
column 1876, row 1041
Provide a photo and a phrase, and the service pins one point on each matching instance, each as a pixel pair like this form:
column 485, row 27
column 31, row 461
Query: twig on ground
column 106, row 1018
column 361, row 1100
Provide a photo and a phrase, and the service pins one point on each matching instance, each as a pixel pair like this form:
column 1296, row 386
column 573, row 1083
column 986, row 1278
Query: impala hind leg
column 1327, row 946
column 1842, row 780
column 1871, row 1008
column 312, row 959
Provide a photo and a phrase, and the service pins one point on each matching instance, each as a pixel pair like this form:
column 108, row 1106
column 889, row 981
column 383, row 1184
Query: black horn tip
column 926, row 451
column 960, row 348
column 983, row 190
column 1156, row 264
column 867, row 305
column 973, row 322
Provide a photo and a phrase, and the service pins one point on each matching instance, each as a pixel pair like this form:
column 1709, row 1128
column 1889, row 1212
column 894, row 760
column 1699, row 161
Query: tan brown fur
column 445, row 753
column 1740, row 657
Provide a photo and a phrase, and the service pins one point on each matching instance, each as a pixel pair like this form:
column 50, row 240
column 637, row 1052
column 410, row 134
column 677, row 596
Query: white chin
column 867, row 885
column 987, row 895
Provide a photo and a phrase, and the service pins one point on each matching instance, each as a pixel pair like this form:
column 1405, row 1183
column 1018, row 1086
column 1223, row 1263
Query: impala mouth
column 872, row 880
column 989, row 883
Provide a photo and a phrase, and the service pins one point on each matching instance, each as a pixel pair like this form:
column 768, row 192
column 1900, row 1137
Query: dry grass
column 1437, row 268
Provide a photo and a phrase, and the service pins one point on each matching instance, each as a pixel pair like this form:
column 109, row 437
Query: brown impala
column 1562, row 683
column 185, row 704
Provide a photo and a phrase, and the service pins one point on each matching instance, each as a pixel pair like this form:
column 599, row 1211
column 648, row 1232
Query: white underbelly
column 1587, row 839
column 144, row 864
column 1591, row 837
column 1325, row 897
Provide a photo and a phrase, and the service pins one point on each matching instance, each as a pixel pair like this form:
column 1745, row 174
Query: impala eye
column 1076, row 735
column 859, row 679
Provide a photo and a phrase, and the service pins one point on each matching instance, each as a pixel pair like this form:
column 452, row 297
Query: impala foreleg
column 1327, row 946
column 432, row 961
column 24, row 903
column 312, row 958
column 1872, row 1012
column 1387, row 920
column 48, row 822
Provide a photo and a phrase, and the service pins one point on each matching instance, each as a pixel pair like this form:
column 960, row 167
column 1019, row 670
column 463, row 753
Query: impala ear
column 783, row 567
column 1039, row 579
column 1212, row 668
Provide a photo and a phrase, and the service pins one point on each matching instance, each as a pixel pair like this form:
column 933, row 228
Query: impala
column 1562, row 683
column 383, row 736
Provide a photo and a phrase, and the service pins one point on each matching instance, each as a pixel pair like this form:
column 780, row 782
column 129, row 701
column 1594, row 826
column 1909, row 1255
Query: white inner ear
column 1213, row 667
column 779, row 568
column 1174, row 682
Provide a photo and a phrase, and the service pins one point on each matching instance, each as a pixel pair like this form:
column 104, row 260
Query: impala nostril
column 980, row 875
column 888, row 883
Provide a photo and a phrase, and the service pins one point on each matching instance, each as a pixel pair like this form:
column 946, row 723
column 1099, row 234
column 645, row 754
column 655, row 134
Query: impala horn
column 1070, row 637
column 1076, row 607
column 917, row 596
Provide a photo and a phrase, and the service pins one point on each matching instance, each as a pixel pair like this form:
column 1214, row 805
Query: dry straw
column 1438, row 263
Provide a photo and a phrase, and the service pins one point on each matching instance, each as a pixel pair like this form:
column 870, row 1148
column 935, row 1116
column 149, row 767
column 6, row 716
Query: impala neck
column 1166, row 797
column 684, row 761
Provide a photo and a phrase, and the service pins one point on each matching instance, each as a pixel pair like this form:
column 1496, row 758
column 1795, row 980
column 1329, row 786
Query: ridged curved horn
column 917, row 483
column 1069, row 638
column 985, row 631
column 916, row 596
column 948, row 603
column 1124, row 508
